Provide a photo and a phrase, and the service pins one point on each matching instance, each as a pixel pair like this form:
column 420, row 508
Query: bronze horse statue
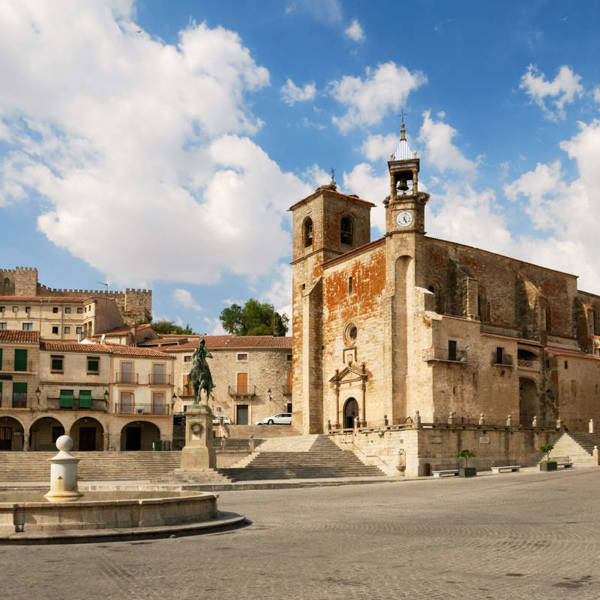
column 200, row 374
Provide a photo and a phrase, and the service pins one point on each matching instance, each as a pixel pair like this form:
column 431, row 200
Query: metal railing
column 443, row 353
column 528, row 364
column 98, row 404
column 18, row 401
column 241, row 390
column 125, row 377
column 159, row 379
column 505, row 361
column 7, row 365
column 138, row 408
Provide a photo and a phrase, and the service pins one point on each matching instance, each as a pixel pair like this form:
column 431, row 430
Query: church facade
column 411, row 327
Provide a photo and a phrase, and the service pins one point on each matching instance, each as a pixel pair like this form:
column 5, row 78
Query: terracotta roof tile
column 19, row 337
column 236, row 342
column 115, row 349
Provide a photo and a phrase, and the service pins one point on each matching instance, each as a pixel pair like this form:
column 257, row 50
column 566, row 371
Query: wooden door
column 242, row 383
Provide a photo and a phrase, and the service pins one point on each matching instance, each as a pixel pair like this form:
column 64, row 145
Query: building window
column 308, row 232
column 19, row 399
column 93, row 365
column 67, row 398
column 7, row 282
column 55, row 329
column 2, row 324
column 242, row 356
column 187, row 358
column 79, row 310
column 346, row 231
column 55, row 309
column 2, row 309
column 28, row 309
column 15, row 309
column 67, row 309
column 27, row 326
column 20, row 359
column 566, row 364
column 56, row 364
column 349, row 285
column 451, row 349
column 289, row 357
column 499, row 356
column 67, row 330
column 78, row 329
column 126, row 403
column 350, row 333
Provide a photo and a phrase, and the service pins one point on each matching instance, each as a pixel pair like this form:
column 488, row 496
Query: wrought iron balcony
column 532, row 365
column 159, row 379
column 443, row 354
column 97, row 404
column 137, row 408
column 125, row 377
column 8, row 365
column 242, row 391
column 18, row 401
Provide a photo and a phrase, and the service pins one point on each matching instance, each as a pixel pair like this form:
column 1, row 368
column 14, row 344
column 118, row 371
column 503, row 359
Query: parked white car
column 217, row 420
column 280, row 419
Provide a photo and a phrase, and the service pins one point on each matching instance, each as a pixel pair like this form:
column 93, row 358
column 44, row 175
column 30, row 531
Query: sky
column 160, row 143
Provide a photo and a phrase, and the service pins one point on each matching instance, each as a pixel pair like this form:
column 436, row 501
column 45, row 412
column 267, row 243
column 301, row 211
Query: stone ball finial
column 64, row 443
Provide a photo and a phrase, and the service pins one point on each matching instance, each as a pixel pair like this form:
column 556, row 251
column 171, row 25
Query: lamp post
column 38, row 394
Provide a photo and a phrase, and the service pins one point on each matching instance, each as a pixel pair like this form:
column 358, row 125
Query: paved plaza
column 524, row 535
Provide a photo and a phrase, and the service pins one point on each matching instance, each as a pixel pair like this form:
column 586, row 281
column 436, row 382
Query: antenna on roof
column 105, row 283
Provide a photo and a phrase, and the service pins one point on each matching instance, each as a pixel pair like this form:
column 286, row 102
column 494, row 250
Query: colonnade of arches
column 87, row 433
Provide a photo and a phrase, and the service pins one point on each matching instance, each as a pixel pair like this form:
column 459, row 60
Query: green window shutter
column 57, row 364
column 85, row 399
column 66, row 398
column 93, row 365
column 20, row 360
column 19, row 387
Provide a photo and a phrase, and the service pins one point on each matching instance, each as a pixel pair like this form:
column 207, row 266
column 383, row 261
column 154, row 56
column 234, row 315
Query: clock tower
column 405, row 206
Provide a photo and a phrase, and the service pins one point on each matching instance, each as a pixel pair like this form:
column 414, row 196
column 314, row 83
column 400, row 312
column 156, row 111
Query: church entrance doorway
column 350, row 412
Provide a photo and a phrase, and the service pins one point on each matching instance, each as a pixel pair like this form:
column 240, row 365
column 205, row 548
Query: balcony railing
column 534, row 365
column 98, row 404
column 506, row 360
column 443, row 354
column 241, row 390
column 142, row 409
column 8, row 366
column 124, row 377
column 159, row 379
column 18, row 401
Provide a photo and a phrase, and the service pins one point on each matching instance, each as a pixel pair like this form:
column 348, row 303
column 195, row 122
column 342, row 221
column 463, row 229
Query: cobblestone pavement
column 523, row 535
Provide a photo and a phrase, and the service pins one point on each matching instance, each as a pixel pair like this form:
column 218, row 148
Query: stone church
column 408, row 326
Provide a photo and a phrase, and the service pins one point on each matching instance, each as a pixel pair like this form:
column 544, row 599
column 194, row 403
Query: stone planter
column 548, row 466
column 467, row 471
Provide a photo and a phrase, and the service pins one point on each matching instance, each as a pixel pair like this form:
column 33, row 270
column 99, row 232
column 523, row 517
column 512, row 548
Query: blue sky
column 159, row 144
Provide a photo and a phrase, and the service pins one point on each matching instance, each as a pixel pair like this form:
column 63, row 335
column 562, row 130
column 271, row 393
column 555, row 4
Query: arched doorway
column 139, row 435
column 528, row 401
column 87, row 434
column 44, row 432
column 350, row 412
column 11, row 434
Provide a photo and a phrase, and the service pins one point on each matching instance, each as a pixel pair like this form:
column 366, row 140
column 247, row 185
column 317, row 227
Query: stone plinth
column 198, row 453
column 63, row 472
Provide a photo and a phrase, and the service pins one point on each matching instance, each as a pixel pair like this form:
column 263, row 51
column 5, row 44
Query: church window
column 595, row 318
column 346, row 231
column 349, row 285
column 499, row 355
column 566, row 364
column 308, row 232
column 6, row 282
column 350, row 333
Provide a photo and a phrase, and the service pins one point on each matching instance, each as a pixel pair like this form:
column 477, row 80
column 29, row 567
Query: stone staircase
column 578, row 446
column 299, row 457
column 28, row 467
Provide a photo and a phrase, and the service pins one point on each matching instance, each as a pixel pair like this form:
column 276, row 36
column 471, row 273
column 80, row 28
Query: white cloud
column 324, row 11
column 562, row 89
column 368, row 100
column 185, row 298
column 291, row 93
column 439, row 149
column 364, row 182
column 139, row 148
column 316, row 176
column 280, row 292
column 355, row 32
column 214, row 326
column 596, row 95
column 379, row 147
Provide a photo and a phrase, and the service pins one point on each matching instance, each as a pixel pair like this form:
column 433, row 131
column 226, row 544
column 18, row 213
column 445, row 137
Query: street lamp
column 106, row 395
column 38, row 394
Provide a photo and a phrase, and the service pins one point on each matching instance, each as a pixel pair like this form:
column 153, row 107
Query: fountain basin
column 30, row 512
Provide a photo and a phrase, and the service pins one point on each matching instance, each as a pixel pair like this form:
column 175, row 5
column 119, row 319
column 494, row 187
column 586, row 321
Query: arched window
column 308, row 232
column 6, row 282
column 346, row 231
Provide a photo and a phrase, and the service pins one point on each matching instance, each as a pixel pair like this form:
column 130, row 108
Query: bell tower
column 405, row 206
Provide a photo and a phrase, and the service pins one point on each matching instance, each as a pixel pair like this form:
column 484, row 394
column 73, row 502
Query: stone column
column 25, row 442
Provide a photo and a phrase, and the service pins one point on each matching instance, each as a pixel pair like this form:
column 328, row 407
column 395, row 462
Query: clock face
column 404, row 218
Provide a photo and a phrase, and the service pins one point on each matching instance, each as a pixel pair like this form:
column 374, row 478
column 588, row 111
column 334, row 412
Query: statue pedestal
column 198, row 453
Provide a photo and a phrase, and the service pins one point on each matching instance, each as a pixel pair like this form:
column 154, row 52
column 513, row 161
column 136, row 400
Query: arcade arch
column 139, row 435
column 44, row 432
column 11, row 434
column 87, row 434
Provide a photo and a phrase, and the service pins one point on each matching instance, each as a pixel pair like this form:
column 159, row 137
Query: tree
column 254, row 318
column 170, row 327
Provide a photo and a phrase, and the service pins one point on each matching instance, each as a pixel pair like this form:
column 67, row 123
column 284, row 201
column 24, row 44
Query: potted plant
column 466, row 471
column 547, row 464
